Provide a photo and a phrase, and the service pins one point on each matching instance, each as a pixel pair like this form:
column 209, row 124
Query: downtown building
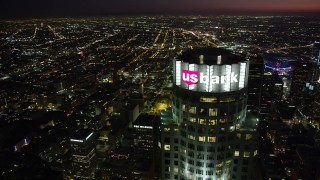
column 302, row 73
column 83, row 148
column 207, row 135
column 256, row 72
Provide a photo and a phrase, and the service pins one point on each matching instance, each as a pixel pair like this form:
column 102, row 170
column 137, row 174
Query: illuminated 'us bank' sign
column 213, row 78
column 192, row 77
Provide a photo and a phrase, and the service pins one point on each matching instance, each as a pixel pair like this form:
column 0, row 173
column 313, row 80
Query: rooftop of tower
column 209, row 56
column 82, row 134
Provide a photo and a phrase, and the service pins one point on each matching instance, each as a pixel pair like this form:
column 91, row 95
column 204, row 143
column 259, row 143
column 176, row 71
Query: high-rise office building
column 278, row 89
column 267, row 94
column 256, row 71
column 83, row 148
column 302, row 73
column 203, row 139
column 316, row 52
column 316, row 58
column 311, row 101
column 145, row 139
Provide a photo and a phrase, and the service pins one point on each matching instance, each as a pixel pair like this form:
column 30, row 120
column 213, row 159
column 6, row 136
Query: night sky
column 43, row 8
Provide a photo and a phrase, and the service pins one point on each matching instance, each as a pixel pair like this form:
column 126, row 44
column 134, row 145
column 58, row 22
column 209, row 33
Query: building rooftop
column 82, row 134
column 145, row 120
column 210, row 56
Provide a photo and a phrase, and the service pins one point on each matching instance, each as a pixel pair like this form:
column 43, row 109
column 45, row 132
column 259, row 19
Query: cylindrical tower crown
column 209, row 102
column 210, row 70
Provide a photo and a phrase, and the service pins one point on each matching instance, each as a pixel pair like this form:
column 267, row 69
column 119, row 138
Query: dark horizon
column 71, row 8
column 225, row 13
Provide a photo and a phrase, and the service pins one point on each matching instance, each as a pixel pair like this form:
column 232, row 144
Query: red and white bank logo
column 190, row 77
column 193, row 77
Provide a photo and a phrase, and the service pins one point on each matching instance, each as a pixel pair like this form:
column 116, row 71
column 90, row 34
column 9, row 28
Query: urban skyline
column 118, row 97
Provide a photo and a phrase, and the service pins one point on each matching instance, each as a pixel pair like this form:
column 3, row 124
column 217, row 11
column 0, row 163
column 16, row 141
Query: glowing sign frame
column 211, row 78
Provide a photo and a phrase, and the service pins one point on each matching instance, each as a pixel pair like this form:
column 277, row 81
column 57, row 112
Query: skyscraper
column 202, row 139
column 311, row 101
column 83, row 154
column 256, row 71
column 267, row 94
column 316, row 52
column 302, row 73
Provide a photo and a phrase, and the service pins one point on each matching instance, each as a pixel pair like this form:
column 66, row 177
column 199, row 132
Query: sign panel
column 213, row 78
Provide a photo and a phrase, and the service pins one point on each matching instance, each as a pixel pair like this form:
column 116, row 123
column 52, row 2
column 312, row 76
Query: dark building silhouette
column 267, row 92
column 311, row 101
column 256, row 71
column 316, row 52
column 302, row 73
column 145, row 141
column 278, row 89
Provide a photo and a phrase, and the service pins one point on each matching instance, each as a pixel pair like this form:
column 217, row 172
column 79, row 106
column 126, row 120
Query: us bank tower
column 202, row 135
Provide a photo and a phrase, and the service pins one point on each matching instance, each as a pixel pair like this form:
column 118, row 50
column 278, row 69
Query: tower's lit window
column 208, row 99
column 167, row 147
column 192, row 119
column 236, row 153
column 246, row 154
column 192, row 110
column 213, row 112
column 191, row 137
column 202, row 121
column 238, row 135
column 166, row 129
column 227, row 99
column 248, row 136
column 220, row 164
column 218, row 172
column 222, row 121
column 202, row 138
column 212, row 122
column 211, row 139
column 183, row 151
column 183, row 107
